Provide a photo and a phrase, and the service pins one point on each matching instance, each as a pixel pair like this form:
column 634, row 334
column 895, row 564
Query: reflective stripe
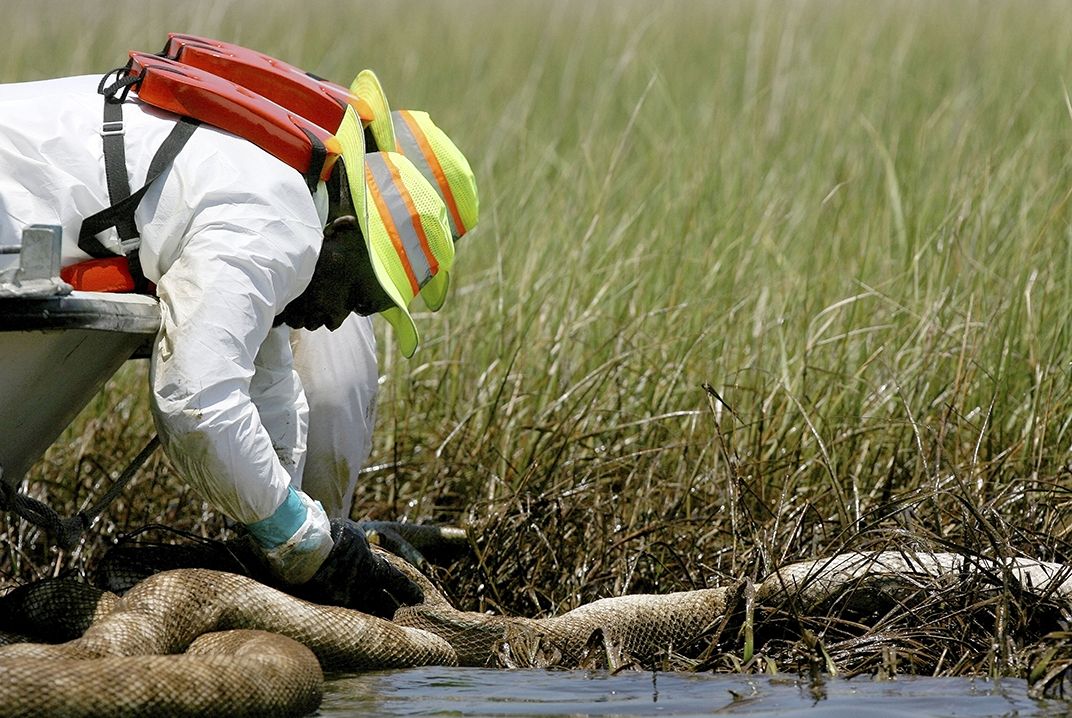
column 399, row 216
column 415, row 216
column 392, row 232
column 414, row 145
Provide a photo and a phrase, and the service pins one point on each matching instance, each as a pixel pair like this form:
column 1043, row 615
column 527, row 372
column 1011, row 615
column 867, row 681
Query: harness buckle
column 111, row 129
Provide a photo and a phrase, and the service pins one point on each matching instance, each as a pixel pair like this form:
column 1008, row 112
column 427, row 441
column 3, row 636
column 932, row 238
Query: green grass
column 850, row 221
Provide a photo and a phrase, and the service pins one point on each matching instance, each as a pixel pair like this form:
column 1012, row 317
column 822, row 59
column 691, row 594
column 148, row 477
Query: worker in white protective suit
column 241, row 253
column 338, row 368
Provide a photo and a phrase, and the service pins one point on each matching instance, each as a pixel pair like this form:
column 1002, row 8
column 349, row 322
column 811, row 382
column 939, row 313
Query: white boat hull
column 55, row 354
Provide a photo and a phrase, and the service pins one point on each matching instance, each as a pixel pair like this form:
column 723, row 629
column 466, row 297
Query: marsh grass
column 753, row 282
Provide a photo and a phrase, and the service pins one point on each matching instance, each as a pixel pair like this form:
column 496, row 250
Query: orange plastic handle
column 320, row 101
column 186, row 90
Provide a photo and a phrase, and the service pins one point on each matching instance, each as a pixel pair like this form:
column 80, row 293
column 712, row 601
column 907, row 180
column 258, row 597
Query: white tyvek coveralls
column 230, row 236
column 338, row 370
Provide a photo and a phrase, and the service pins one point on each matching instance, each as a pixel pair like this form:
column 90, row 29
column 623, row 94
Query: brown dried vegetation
column 749, row 287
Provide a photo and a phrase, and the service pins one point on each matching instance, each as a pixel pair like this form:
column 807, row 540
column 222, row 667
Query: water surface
column 486, row 692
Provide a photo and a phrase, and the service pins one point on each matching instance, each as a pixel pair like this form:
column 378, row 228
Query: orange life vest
column 320, row 101
column 189, row 91
column 278, row 107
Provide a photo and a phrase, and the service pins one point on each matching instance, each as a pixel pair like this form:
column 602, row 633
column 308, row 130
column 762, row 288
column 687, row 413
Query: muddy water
column 485, row 692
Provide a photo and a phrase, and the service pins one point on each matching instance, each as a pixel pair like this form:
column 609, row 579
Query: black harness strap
column 115, row 163
column 123, row 210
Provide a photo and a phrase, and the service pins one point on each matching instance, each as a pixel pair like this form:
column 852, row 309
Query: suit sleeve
column 217, row 311
column 228, row 405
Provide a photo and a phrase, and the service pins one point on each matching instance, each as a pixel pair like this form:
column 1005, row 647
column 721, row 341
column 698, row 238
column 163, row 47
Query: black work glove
column 385, row 535
column 354, row 577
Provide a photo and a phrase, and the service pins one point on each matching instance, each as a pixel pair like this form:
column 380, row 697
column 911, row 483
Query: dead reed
column 753, row 283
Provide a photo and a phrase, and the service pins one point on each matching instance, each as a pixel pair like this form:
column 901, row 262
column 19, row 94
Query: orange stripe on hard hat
column 437, row 170
column 392, row 230
column 415, row 217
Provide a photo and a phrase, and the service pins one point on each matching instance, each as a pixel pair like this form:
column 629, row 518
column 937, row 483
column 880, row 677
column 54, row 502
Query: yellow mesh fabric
column 384, row 255
column 392, row 277
column 351, row 138
column 383, row 247
column 367, row 86
column 432, row 216
column 441, row 162
column 456, row 169
column 385, row 262
column 434, row 291
column 430, row 209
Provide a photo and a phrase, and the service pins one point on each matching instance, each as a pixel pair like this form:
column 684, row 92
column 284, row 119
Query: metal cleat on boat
column 57, row 348
column 37, row 274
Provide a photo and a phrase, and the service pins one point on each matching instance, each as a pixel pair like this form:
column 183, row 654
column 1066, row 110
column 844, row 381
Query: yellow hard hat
column 447, row 170
column 403, row 222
